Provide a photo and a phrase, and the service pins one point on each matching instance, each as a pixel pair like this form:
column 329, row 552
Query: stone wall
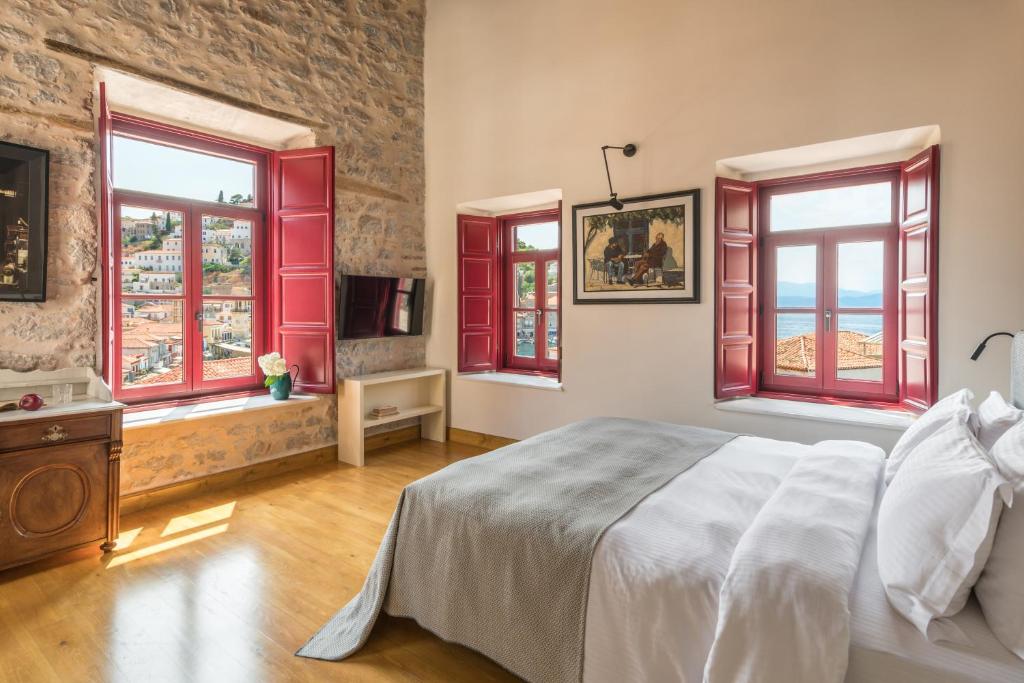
column 354, row 65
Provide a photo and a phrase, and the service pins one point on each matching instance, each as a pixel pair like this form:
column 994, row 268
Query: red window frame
column 740, row 301
column 825, row 382
column 539, row 364
column 193, row 384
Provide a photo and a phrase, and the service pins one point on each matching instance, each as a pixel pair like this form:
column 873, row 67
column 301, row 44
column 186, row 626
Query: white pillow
column 936, row 524
column 956, row 406
column 1000, row 589
column 995, row 417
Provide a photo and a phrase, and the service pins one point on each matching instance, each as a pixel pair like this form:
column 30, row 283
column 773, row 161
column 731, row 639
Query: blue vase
column 282, row 387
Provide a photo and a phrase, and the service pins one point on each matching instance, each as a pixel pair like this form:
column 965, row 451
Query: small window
column 531, row 303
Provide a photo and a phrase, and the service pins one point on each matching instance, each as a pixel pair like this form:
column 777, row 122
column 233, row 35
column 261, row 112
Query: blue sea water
column 793, row 324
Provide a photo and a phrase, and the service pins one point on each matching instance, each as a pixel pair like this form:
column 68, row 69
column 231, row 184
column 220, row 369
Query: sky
column 147, row 167
column 539, row 235
column 860, row 265
column 852, row 205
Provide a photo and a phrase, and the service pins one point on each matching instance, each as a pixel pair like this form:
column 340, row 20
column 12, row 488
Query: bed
column 672, row 587
column 653, row 596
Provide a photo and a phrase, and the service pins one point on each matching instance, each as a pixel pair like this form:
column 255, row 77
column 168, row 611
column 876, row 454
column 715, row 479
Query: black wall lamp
column 981, row 347
column 629, row 150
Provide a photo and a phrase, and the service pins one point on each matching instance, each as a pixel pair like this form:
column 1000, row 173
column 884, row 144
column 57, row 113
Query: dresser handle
column 55, row 433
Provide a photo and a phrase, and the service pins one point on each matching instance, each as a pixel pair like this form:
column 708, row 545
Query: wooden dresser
column 59, row 476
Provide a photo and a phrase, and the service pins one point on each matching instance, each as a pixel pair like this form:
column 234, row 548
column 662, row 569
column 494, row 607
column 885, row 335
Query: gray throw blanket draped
column 494, row 552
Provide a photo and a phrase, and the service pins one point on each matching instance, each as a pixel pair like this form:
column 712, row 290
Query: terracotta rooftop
column 212, row 369
column 856, row 351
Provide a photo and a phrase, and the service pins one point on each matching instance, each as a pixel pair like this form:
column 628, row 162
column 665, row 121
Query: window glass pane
column 552, row 347
column 833, row 207
column 794, row 344
column 227, row 256
column 551, row 284
column 227, row 339
column 151, row 251
column 526, row 285
column 525, row 343
column 169, row 171
column 152, row 342
column 796, row 276
column 860, row 274
column 537, row 236
column 859, row 347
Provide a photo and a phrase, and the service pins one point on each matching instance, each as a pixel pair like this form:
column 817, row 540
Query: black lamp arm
column 981, row 347
column 604, row 151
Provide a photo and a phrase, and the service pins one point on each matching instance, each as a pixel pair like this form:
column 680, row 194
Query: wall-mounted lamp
column 629, row 150
column 981, row 347
column 1016, row 364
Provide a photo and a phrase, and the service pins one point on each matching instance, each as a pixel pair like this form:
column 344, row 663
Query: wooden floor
column 225, row 587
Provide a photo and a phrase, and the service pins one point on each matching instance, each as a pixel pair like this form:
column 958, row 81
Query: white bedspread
column 657, row 574
column 783, row 612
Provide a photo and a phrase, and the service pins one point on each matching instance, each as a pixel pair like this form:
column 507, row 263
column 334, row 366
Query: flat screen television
column 371, row 307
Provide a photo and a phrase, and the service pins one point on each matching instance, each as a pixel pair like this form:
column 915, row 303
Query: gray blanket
column 494, row 552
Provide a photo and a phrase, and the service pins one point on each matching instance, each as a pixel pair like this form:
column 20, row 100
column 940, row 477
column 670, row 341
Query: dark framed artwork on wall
column 647, row 253
column 24, row 196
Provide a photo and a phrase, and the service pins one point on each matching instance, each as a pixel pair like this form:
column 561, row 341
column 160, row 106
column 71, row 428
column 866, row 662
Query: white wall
column 520, row 95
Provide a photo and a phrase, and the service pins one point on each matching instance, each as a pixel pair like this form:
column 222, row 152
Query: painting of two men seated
column 643, row 253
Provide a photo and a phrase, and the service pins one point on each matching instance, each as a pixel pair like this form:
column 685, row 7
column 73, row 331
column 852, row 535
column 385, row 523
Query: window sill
column 212, row 408
column 821, row 412
column 515, row 380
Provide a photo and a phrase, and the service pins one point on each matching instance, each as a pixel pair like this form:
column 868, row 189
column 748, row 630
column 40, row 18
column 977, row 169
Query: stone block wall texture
column 354, row 65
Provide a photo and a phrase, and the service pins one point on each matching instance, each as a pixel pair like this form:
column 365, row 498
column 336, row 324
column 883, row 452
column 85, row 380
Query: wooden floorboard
column 227, row 585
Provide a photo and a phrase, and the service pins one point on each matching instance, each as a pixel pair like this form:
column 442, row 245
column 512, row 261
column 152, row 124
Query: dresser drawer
column 53, row 431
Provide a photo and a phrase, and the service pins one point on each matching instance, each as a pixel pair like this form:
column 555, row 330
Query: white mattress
column 657, row 572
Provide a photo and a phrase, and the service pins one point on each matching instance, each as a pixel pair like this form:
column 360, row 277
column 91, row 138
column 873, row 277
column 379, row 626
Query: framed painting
column 24, row 180
column 648, row 253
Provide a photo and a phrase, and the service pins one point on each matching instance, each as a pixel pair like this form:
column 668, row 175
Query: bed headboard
column 1017, row 370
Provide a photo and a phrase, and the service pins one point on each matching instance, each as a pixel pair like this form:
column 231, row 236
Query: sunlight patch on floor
column 126, row 538
column 194, row 520
column 149, row 551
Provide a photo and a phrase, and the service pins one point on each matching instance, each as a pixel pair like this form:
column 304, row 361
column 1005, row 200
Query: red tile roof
column 856, row 351
column 223, row 368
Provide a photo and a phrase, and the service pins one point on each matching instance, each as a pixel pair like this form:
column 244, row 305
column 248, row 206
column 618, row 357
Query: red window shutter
column 479, row 303
column 918, row 268
column 736, row 297
column 302, row 264
column 106, row 235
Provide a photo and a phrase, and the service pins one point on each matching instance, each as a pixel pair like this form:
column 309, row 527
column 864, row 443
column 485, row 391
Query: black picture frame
column 24, row 222
column 691, row 249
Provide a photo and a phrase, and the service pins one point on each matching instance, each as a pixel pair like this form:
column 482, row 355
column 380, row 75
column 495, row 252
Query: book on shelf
column 384, row 411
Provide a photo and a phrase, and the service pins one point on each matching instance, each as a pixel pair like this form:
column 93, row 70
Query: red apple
column 31, row 402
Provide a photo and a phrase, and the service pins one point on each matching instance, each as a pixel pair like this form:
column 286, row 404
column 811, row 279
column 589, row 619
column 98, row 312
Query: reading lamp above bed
column 1016, row 364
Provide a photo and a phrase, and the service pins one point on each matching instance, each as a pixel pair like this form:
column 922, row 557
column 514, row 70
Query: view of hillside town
column 152, row 282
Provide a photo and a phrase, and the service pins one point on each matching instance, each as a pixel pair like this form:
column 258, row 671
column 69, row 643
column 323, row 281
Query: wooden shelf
column 419, row 393
column 403, row 414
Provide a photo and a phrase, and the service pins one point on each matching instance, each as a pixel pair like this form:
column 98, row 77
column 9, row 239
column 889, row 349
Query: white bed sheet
column 657, row 573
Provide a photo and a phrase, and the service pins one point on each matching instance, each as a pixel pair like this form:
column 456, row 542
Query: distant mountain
column 802, row 294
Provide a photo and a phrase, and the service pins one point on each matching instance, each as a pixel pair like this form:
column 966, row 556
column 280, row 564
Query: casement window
column 216, row 252
column 826, row 285
column 510, row 293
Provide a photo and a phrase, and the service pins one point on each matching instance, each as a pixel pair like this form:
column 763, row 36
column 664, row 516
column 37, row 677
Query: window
column 206, row 267
column 510, row 293
column 829, row 281
column 826, row 285
column 531, row 293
